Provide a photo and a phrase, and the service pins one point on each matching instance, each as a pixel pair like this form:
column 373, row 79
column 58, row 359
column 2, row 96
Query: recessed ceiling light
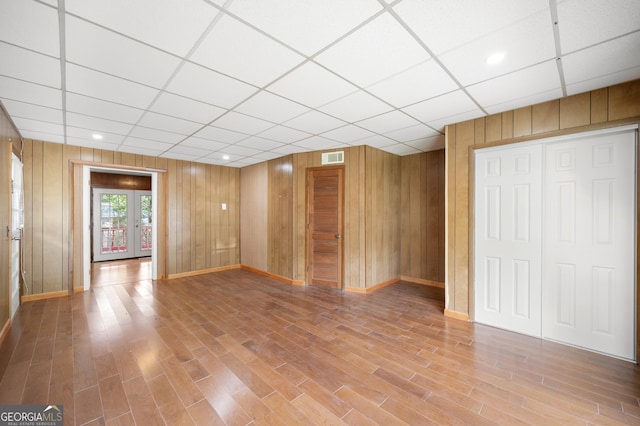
column 495, row 58
column 97, row 136
column 225, row 157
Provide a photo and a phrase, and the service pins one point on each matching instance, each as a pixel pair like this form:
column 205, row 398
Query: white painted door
column 17, row 223
column 121, row 224
column 589, row 256
column 508, row 238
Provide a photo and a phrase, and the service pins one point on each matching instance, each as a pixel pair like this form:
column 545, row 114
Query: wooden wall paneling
column 5, row 220
column 575, row 111
column 199, row 224
column 185, row 223
column 522, row 122
column 179, row 223
column 599, row 106
column 234, row 216
column 69, row 153
column 86, row 154
column 27, row 238
column 280, row 216
column 36, row 283
column 434, row 211
column 480, row 130
column 624, row 100
column 493, row 130
column 106, row 157
column 545, row 117
column 208, row 230
column 253, row 216
column 300, row 163
column 356, row 255
column 450, row 215
column 77, row 271
column 441, row 188
column 127, row 159
column 406, row 165
column 507, row 125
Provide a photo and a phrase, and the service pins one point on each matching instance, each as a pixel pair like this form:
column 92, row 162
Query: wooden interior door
column 324, row 237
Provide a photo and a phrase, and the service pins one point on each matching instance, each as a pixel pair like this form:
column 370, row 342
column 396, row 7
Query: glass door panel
column 143, row 223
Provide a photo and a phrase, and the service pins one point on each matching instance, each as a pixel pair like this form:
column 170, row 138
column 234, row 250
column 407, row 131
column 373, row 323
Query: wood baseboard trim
column 456, row 315
column 78, row 290
column 202, row 271
column 274, row 276
column 41, row 296
column 4, row 332
column 422, row 281
column 371, row 289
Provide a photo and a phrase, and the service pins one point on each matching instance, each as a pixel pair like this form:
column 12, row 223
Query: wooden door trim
column 308, row 172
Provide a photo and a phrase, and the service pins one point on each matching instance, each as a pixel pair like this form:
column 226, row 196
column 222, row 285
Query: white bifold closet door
column 508, row 238
column 589, row 251
column 554, row 240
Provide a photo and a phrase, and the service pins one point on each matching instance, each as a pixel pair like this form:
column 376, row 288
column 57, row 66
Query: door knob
column 338, row 236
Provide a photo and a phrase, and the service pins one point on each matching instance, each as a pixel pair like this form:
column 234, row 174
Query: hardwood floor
column 238, row 348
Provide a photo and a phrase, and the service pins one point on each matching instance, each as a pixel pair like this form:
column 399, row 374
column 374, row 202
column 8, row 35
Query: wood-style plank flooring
column 240, row 349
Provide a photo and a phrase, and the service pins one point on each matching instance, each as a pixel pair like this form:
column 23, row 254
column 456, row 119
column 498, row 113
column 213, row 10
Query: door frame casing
column 341, row 229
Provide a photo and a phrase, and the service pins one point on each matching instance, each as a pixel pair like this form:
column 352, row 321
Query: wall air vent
column 333, row 157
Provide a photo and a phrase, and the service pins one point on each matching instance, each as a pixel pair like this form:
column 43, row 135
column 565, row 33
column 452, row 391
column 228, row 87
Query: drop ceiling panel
column 271, row 107
column 30, row 25
column 314, row 122
column 31, row 111
column 240, row 151
column 38, row 126
column 355, row 107
column 603, row 59
column 423, row 81
column 29, row 134
column 169, row 124
column 518, row 85
column 376, row 51
column 584, row 23
column 388, row 122
column 167, row 25
column 100, row 108
column 30, row 66
column 89, row 143
column 526, row 43
column 442, row 106
column 290, row 149
column 307, row 26
column 95, row 124
column 220, row 135
column 205, row 144
column 98, row 85
column 141, row 150
column 87, row 134
column 242, row 123
column 348, row 134
column 446, row 25
column 284, row 134
column 401, row 149
column 30, row 93
column 94, row 47
column 312, row 85
column 233, row 48
column 189, row 150
column 147, row 144
column 155, row 135
column 199, row 83
column 316, row 143
column 259, row 143
column 411, row 133
column 376, row 141
column 185, row 108
column 428, row 144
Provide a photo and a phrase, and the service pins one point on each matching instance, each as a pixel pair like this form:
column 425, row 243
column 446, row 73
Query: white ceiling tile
column 388, row 122
column 270, row 107
column 411, row 133
column 431, row 143
column 240, row 150
column 355, row 107
column 178, row 156
column 101, row 108
column 90, row 143
column 264, row 156
column 189, row 150
column 307, row 26
column 169, row 124
column 247, row 161
column 219, row 158
column 171, row 27
column 314, row 122
column 524, row 44
column 312, row 85
column 97, row 124
column 30, row 66
column 603, row 81
column 92, row 83
column 284, row 134
column 147, row 144
column 30, row 25
column 196, row 82
column 46, row 137
column 620, row 54
column 376, row 141
column 259, row 143
column 26, row 124
column 34, row 112
column 233, row 48
column 185, row 108
column 529, row 82
column 140, row 150
column 97, row 48
column 30, row 93
column 442, row 106
column 220, row 135
column 290, row 149
column 87, row 134
column 440, row 123
column 418, row 83
column 376, row 51
column 203, row 144
column 155, row 135
column 401, row 149
column 584, row 23
column 446, row 25
column 347, row 133
column 242, row 123
column 318, row 143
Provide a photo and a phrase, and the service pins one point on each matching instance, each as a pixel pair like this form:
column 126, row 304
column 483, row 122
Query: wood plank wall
column 422, row 216
column 9, row 141
column 200, row 235
column 280, row 216
column 615, row 105
column 253, row 216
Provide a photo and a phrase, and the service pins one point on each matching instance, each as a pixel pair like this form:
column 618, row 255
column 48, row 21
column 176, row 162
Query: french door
column 121, row 224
